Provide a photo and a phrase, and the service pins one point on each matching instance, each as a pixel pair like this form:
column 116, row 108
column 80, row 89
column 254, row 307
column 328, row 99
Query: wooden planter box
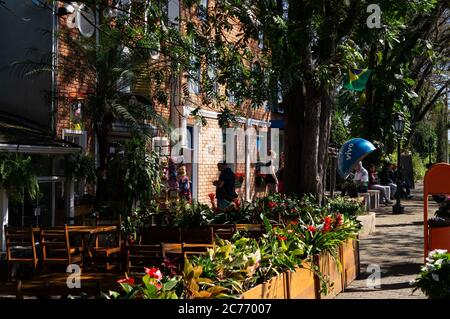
column 330, row 270
column 275, row 288
column 350, row 261
column 301, row 283
column 439, row 238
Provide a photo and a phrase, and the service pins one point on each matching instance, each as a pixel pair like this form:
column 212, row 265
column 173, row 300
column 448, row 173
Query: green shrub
column 419, row 167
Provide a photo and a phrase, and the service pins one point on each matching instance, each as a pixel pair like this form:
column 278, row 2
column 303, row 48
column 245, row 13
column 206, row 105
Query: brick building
column 61, row 118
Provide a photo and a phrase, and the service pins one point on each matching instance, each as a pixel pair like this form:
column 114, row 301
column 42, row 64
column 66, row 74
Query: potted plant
column 239, row 179
column 434, row 278
column 439, row 227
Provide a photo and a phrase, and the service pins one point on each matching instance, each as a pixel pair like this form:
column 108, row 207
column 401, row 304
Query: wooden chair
column 157, row 235
column 140, row 256
column 251, row 230
column 188, row 249
column 223, row 231
column 107, row 250
column 20, row 240
column 198, row 235
column 56, row 247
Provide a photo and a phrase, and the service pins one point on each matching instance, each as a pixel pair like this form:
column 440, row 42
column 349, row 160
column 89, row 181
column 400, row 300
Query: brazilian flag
column 356, row 79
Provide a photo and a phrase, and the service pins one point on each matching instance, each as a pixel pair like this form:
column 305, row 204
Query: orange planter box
column 439, row 238
column 350, row 261
column 331, row 271
column 274, row 288
column 301, row 283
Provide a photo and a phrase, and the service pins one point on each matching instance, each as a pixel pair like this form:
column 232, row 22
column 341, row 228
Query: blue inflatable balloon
column 351, row 153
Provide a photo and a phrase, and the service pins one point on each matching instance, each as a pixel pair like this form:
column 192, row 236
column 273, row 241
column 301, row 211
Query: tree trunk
column 307, row 124
column 442, row 146
column 100, row 194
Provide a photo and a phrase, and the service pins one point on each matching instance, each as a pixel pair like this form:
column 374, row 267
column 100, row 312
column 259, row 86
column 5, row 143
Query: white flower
column 437, row 252
column 439, row 262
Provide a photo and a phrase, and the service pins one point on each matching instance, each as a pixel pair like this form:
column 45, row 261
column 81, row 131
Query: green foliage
column 151, row 288
column 82, row 167
column 419, row 167
column 197, row 287
column 140, row 171
column 434, row 278
column 347, row 206
column 191, row 215
column 17, row 177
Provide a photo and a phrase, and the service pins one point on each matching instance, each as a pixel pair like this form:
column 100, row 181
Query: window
column 194, row 75
column 173, row 12
column 76, row 136
column 212, row 77
column 160, row 145
column 231, row 97
column 276, row 99
column 285, row 8
column 202, row 10
column 261, row 40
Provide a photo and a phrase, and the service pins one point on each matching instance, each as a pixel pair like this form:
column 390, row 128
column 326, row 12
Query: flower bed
column 275, row 288
column 299, row 253
column 350, row 261
column 301, row 283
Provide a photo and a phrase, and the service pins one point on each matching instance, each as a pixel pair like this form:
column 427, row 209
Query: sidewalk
column 397, row 248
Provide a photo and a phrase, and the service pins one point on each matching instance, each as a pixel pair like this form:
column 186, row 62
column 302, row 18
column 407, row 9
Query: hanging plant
column 17, row 177
column 81, row 166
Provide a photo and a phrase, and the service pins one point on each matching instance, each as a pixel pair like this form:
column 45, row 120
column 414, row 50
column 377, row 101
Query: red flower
column 327, row 224
column 339, row 219
column 128, row 280
column 281, row 237
column 237, row 202
column 153, row 273
column 271, row 205
column 312, row 228
column 212, row 196
column 294, row 222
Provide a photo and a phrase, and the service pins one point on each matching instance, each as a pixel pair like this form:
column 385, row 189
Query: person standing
column 361, row 178
column 374, row 184
column 225, row 192
column 271, row 177
column 280, row 174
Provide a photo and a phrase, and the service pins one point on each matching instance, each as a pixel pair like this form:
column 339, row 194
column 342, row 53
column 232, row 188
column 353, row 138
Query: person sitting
column 361, row 178
column 375, row 185
column 387, row 178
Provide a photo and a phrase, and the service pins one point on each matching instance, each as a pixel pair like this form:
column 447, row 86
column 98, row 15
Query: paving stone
column 396, row 248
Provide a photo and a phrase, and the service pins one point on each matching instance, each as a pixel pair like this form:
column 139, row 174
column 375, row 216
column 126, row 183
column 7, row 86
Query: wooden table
column 87, row 232
column 172, row 248
column 92, row 230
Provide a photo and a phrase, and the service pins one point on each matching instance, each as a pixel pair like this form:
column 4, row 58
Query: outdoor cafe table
column 87, row 232
column 172, row 248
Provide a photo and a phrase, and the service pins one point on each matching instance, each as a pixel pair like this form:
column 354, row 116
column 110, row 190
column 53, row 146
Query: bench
column 366, row 197
column 374, row 198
